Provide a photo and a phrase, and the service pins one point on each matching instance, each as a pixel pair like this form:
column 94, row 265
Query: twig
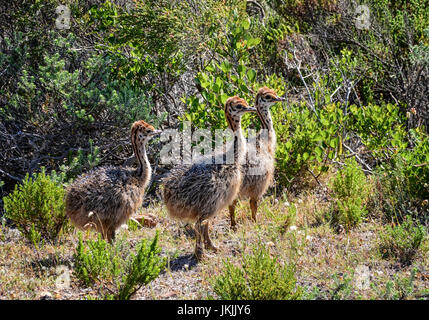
column 316, row 178
column 298, row 68
column 369, row 169
column 11, row 176
column 343, row 164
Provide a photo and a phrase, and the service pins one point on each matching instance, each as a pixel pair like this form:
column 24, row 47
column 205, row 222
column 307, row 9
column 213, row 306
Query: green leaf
column 319, row 153
column 223, row 98
column 244, row 88
column 305, row 156
column 216, row 88
column 210, row 68
column 245, row 24
column 251, row 75
column 319, row 137
column 241, row 70
column 253, row 42
column 225, row 66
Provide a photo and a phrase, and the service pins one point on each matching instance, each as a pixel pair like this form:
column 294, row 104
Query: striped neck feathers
column 144, row 170
column 264, row 114
column 239, row 144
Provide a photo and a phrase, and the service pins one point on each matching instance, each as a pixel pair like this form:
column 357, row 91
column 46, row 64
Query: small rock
column 63, row 279
column 45, row 295
column 270, row 244
column 124, row 226
column 169, row 294
column 293, row 228
column 147, row 220
column 13, row 234
column 362, row 277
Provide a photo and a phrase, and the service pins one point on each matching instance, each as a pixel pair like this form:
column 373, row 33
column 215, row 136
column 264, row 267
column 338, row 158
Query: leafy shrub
column 417, row 164
column 259, row 277
column 401, row 241
column 68, row 101
column 313, row 132
column 401, row 288
column 402, row 181
column 218, row 81
column 343, row 287
column 114, row 267
column 77, row 165
column 379, row 127
column 35, row 237
column 304, row 141
column 350, row 191
column 37, row 207
column 268, row 57
column 145, row 266
column 96, row 260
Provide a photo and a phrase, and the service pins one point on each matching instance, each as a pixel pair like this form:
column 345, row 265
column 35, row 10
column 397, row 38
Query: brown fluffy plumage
column 254, row 186
column 199, row 191
column 106, row 197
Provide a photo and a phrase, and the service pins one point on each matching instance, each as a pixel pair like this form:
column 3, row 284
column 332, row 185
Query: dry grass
column 293, row 228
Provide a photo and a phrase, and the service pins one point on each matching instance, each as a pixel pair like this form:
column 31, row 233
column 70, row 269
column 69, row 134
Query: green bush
column 416, row 159
column 37, row 207
column 69, row 102
column 350, row 191
column 304, row 141
column 342, row 289
column 403, row 187
column 259, row 277
column 401, row 288
column 95, row 260
column 115, row 268
column 77, row 165
column 312, row 133
column 218, row 81
column 401, row 241
column 145, row 266
column 280, row 219
column 380, row 128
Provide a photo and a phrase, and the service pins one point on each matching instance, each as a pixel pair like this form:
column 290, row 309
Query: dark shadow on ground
column 183, row 263
column 50, row 261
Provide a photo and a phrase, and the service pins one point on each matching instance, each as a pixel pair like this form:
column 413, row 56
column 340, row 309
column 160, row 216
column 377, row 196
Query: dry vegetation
column 329, row 265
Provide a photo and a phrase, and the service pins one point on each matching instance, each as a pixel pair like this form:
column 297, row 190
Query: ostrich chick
column 258, row 171
column 199, row 191
column 106, row 197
